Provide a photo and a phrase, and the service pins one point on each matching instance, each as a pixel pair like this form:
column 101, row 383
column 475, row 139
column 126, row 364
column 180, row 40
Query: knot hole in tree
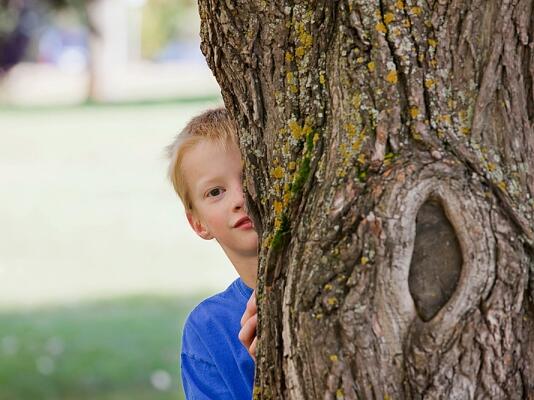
column 436, row 260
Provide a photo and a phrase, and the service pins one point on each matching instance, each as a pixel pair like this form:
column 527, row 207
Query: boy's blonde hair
column 214, row 125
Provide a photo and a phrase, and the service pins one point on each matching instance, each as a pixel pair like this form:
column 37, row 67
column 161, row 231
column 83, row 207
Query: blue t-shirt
column 215, row 365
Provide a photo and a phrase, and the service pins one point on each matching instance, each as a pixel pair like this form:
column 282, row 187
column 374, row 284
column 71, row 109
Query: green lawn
column 87, row 210
column 112, row 350
column 86, row 213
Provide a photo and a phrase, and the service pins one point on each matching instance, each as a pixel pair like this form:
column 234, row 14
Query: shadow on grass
column 125, row 348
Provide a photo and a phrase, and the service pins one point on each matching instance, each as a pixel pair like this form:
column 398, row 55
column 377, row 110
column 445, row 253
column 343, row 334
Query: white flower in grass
column 161, row 380
column 45, row 365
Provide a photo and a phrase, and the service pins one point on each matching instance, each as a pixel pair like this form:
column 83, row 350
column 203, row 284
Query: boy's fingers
column 248, row 331
column 251, row 308
column 245, row 317
column 249, row 323
column 252, row 348
column 252, row 300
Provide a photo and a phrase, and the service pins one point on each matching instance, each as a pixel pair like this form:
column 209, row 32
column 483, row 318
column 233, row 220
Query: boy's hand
column 249, row 322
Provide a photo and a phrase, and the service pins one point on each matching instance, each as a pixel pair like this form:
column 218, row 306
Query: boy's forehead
column 207, row 150
column 202, row 163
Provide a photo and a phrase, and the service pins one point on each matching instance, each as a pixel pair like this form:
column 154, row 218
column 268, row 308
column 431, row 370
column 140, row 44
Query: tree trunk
column 389, row 165
column 108, row 47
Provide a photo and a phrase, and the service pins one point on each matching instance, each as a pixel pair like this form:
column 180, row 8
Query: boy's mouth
column 244, row 222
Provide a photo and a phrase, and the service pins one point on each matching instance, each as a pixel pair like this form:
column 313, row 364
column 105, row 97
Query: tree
column 389, row 168
column 16, row 20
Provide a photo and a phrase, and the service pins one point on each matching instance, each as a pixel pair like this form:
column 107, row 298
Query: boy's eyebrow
column 204, row 183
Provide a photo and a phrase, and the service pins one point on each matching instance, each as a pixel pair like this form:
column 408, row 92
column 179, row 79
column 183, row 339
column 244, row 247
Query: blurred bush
column 165, row 21
column 21, row 19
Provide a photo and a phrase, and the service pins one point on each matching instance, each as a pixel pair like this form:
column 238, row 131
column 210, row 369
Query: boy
column 206, row 172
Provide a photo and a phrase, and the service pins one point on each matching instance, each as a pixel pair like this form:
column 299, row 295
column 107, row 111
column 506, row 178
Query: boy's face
column 213, row 179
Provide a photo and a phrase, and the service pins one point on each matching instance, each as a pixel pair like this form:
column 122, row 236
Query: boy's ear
column 198, row 227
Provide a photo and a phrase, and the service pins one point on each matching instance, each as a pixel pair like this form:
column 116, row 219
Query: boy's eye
column 214, row 192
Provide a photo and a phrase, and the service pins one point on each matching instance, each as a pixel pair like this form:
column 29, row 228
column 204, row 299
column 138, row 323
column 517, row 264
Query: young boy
column 206, row 172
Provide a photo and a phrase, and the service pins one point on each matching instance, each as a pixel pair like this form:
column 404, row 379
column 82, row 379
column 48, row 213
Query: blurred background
column 98, row 267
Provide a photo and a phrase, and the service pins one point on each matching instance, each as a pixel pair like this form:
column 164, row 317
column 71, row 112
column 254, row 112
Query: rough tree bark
column 389, row 164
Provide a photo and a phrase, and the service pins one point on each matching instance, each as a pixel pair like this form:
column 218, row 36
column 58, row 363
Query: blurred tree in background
column 14, row 38
column 164, row 21
column 97, row 39
column 19, row 19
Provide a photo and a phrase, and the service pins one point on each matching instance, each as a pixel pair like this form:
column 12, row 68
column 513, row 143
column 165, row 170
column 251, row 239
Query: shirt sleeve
column 202, row 380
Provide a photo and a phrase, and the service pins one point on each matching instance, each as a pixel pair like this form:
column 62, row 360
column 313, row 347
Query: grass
column 178, row 101
column 104, row 350
column 87, row 212
column 87, row 209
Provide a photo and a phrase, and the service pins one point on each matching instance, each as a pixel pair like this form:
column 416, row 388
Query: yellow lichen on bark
column 391, row 77
column 278, row 172
column 416, row 10
column 389, row 17
column 288, row 57
column 380, row 27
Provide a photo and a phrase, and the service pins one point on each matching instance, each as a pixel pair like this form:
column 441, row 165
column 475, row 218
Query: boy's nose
column 239, row 198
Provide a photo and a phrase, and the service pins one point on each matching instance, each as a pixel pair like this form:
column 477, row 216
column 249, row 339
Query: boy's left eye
column 214, row 192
